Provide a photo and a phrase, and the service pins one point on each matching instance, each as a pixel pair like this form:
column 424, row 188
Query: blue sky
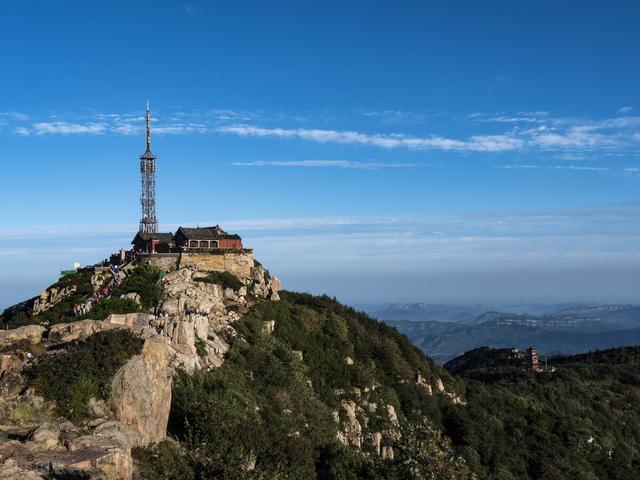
column 377, row 151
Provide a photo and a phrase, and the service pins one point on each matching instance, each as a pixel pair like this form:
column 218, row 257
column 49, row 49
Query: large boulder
column 96, row 456
column 276, row 285
column 124, row 434
column 8, row 362
column 141, row 391
column 91, row 457
column 183, row 334
column 33, row 333
column 49, row 434
column 70, row 332
column 132, row 321
column 11, row 470
column 133, row 296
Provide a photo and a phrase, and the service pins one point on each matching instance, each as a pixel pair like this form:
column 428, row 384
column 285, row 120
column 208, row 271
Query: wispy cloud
column 535, row 131
column 519, row 117
column 396, row 116
column 180, row 129
column 625, row 110
column 22, row 131
column 14, row 116
column 579, row 168
column 65, row 128
column 325, row 164
column 482, row 143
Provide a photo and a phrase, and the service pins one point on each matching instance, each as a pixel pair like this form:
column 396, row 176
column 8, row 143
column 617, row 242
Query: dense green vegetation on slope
column 267, row 413
column 142, row 280
column 580, row 422
column 259, row 409
column 83, row 370
column 21, row 314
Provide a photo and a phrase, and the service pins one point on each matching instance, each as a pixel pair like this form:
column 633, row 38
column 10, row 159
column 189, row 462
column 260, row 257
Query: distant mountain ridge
column 445, row 331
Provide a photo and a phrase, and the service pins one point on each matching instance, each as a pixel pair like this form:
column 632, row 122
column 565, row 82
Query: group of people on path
column 83, row 308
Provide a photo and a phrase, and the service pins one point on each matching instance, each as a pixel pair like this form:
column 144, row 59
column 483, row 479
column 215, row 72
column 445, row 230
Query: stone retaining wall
column 166, row 262
column 239, row 264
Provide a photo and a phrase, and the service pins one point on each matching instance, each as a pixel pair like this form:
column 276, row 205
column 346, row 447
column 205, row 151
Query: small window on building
column 193, row 244
column 204, row 244
column 214, row 244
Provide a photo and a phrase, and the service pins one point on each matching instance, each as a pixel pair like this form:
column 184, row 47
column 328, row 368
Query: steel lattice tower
column 148, row 222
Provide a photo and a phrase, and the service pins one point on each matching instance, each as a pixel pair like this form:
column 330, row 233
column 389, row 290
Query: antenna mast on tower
column 148, row 222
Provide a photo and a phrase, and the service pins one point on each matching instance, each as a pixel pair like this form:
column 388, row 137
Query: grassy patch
column 107, row 306
column 84, row 370
column 145, row 281
column 201, row 348
column 224, row 279
column 30, row 412
column 164, row 461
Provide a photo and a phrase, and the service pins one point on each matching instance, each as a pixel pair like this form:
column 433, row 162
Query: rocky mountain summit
column 191, row 328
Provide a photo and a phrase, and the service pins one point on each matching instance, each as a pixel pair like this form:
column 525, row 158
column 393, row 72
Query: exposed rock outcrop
column 134, row 297
column 51, row 297
column 32, row 333
column 70, row 332
column 57, row 448
column 141, row 391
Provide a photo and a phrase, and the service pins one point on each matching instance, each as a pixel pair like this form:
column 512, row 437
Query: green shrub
column 84, row 370
column 201, row 348
column 224, row 279
column 107, row 306
column 145, row 281
column 164, row 461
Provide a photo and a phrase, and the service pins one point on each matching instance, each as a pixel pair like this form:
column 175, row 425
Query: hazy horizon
column 479, row 258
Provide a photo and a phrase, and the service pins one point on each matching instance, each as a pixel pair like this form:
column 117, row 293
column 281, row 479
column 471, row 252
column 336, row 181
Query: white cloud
column 128, row 129
column 625, row 110
column 483, row 143
column 520, row 117
column 66, row 128
column 556, row 167
column 22, row 131
column 179, row 129
column 528, row 131
column 15, row 116
column 396, row 116
column 325, row 164
column 581, row 138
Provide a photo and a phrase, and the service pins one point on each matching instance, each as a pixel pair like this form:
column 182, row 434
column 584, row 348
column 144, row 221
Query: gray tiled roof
column 162, row 237
column 206, row 233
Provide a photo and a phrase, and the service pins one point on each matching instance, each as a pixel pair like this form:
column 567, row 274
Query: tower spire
column 148, row 128
column 148, row 222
